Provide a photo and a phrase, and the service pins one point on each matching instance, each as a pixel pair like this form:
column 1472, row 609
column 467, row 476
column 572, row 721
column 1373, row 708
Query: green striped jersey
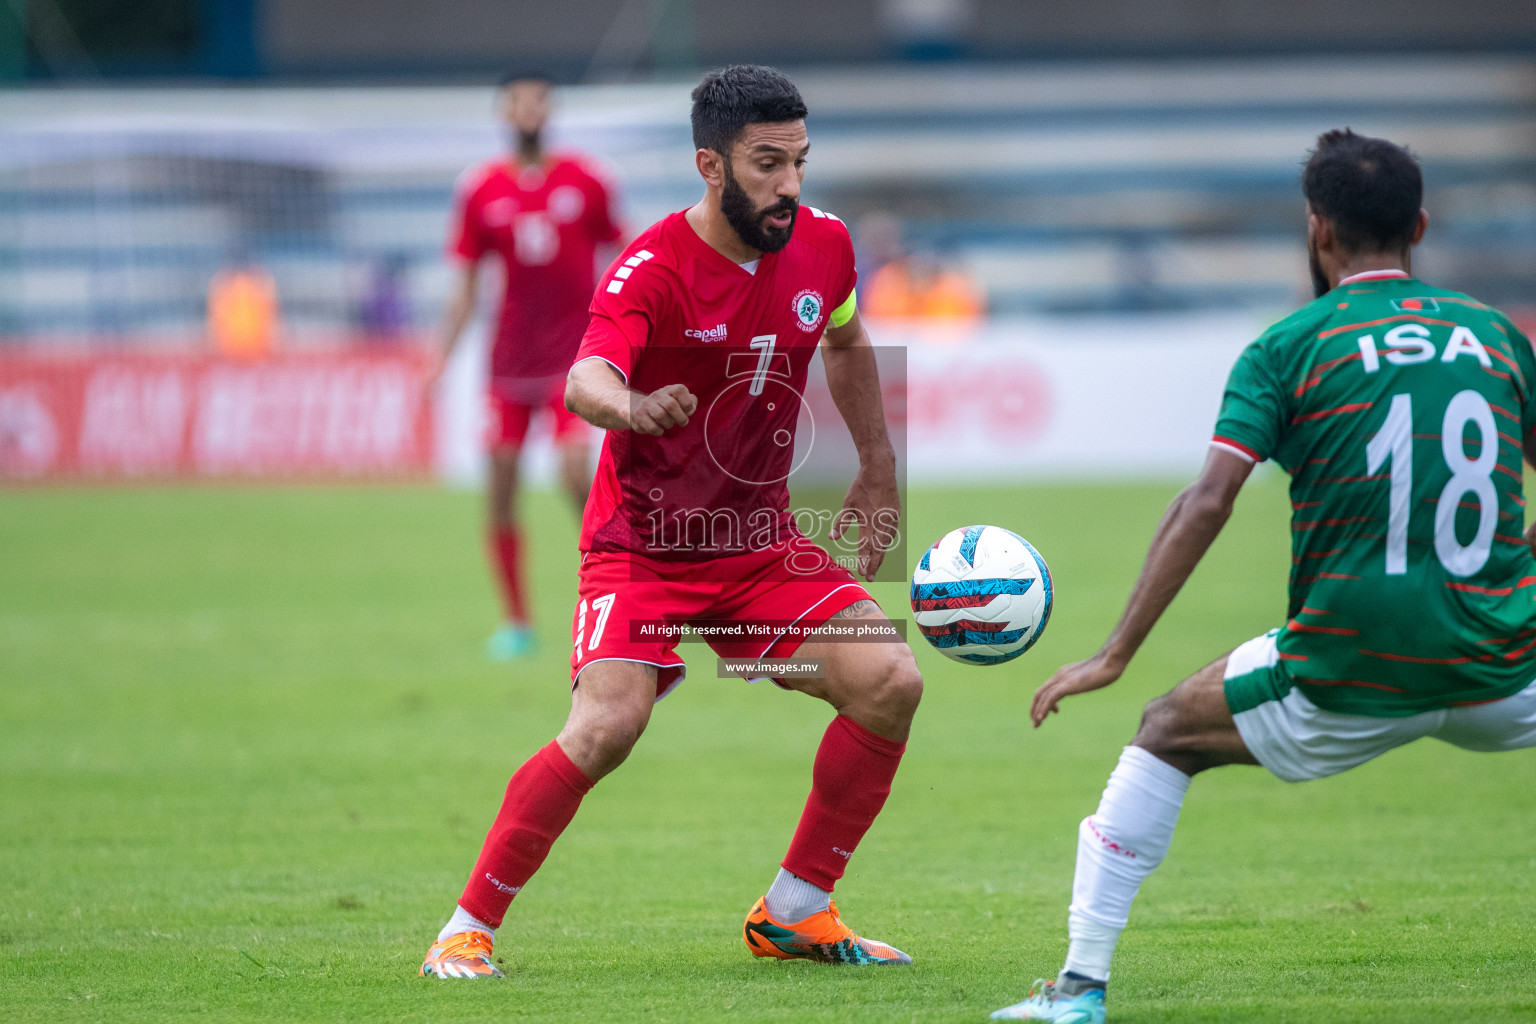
column 1398, row 410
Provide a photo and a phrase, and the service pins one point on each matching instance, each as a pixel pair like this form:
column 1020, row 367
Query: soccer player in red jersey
column 698, row 336
column 545, row 215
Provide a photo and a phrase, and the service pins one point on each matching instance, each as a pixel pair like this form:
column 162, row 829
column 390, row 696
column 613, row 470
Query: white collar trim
column 1374, row 275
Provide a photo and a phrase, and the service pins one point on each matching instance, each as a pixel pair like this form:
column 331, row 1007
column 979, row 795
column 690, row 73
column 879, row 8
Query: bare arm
column 873, row 501
column 596, row 392
column 1188, row 528
column 461, row 306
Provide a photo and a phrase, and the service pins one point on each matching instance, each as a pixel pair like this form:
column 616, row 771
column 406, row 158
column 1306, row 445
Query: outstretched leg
column 1183, row 732
column 875, row 689
column 610, row 708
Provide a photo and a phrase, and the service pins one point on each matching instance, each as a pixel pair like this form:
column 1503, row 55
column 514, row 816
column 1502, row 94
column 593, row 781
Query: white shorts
column 1297, row 740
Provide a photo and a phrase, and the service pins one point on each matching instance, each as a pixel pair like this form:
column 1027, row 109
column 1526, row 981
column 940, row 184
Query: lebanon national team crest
column 808, row 305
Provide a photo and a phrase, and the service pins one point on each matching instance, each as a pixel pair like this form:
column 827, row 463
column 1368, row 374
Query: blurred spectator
column 1136, row 286
column 918, row 287
column 242, row 311
column 928, row 29
column 385, row 312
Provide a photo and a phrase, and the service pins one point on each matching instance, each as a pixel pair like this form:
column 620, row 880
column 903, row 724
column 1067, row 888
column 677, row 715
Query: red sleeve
column 466, row 240
column 612, row 341
column 625, row 310
column 851, row 271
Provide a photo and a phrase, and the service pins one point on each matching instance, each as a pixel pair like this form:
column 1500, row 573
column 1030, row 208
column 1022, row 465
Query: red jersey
column 675, row 311
column 545, row 224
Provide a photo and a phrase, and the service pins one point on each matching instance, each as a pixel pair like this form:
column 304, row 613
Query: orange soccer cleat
column 465, row 955
column 821, row 937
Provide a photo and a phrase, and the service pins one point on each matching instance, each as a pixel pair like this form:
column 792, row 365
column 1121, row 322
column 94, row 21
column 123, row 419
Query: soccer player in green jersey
column 1401, row 412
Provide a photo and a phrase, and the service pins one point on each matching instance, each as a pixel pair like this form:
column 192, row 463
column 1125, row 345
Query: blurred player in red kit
column 700, row 340
column 545, row 214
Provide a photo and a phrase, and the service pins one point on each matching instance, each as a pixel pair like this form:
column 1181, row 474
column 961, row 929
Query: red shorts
column 620, row 595
column 510, row 410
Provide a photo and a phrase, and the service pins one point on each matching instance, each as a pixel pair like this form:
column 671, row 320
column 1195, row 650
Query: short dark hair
column 524, row 75
column 1371, row 190
column 728, row 99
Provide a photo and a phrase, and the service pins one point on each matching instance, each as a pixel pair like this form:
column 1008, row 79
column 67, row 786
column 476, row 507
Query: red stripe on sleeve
column 1238, row 447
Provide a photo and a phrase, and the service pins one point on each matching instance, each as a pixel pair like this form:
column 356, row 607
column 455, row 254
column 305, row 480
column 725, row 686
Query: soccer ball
column 982, row 594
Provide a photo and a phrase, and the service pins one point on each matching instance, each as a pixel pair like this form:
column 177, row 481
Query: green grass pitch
column 249, row 747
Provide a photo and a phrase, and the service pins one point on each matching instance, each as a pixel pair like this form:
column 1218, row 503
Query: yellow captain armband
column 842, row 314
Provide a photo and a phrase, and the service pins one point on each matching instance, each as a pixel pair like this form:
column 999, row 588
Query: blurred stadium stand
column 1104, row 187
column 1088, row 157
column 620, row 39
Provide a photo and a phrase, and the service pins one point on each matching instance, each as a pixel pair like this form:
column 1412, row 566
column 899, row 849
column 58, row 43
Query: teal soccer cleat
column 511, row 642
column 1044, row 1004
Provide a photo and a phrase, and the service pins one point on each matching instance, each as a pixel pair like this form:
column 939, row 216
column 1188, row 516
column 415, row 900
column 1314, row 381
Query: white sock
column 1117, row 847
column 791, row 898
column 463, row 921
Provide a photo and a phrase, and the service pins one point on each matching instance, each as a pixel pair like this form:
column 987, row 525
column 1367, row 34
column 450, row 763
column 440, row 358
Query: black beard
column 748, row 223
column 529, row 144
column 1320, row 285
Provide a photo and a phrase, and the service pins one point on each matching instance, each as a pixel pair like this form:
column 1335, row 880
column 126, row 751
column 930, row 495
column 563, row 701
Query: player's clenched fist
column 663, row 409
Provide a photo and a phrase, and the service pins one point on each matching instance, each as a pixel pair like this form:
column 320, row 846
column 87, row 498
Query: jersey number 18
column 1468, row 476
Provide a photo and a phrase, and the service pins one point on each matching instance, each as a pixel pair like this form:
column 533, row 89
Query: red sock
column 507, row 549
column 849, row 783
column 541, row 800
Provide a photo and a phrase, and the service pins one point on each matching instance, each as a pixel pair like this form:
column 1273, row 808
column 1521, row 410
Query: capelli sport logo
column 707, row 334
column 808, row 305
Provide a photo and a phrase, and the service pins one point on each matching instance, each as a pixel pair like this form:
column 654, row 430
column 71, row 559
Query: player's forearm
column 460, row 308
column 595, row 392
column 853, row 377
column 1183, row 537
column 454, row 322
